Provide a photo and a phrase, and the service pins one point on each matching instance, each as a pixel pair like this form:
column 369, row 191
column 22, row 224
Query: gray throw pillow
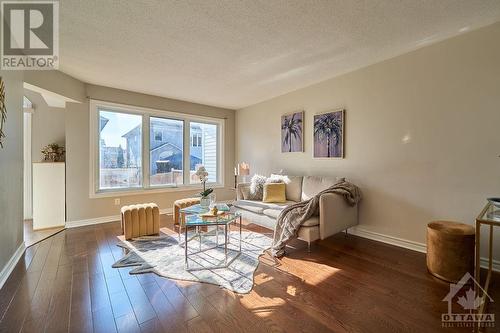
column 245, row 191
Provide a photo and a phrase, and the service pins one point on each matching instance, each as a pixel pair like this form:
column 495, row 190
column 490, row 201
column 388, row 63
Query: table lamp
column 242, row 169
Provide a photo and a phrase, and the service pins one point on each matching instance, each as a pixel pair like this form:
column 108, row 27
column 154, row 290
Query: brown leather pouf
column 450, row 250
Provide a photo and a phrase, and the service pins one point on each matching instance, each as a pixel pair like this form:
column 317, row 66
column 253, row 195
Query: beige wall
column 11, row 169
column 57, row 82
column 445, row 99
column 79, row 205
column 47, row 125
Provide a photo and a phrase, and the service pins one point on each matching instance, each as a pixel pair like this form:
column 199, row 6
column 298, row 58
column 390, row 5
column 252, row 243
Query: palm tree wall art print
column 291, row 132
column 329, row 135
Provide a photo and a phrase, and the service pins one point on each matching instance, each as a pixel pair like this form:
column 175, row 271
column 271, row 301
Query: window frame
column 146, row 113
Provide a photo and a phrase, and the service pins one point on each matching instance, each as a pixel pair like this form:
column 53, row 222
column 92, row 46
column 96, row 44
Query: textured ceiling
column 237, row 53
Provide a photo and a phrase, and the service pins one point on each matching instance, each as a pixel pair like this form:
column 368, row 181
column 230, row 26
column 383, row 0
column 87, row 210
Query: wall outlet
column 117, row 201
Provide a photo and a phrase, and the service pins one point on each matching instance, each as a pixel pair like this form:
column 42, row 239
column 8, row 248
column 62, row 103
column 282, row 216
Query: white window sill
column 153, row 190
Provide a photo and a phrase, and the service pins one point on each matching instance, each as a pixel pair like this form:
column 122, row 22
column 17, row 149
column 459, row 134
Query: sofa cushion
column 274, row 193
column 312, row 185
column 259, row 206
column 273, row 213
column 245, row 192
column 312, row 221
column 250, row 205
column 293, row 189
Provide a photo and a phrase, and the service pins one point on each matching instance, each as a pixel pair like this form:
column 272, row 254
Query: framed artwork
column 328, row 134
column 292, row 132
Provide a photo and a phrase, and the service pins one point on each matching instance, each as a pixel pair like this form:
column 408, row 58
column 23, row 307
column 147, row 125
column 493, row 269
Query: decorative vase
column 208, row 201
column 205, row 202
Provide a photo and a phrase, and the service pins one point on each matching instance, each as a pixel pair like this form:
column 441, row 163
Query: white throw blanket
column 292, row 217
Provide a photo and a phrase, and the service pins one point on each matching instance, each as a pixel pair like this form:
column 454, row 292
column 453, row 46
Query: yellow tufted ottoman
column 140, row 220
column 178, row 205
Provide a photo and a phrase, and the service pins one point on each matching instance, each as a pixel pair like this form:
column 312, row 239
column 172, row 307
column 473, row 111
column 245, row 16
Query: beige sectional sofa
column 335, row 215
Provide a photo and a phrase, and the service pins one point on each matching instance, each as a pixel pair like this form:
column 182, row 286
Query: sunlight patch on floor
column 310, row 272
column 262, row 278
column 261, row 304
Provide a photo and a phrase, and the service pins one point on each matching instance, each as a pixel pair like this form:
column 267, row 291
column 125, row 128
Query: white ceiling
column 237, row 53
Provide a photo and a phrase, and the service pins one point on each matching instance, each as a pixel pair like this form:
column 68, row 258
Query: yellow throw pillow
column 274, row 192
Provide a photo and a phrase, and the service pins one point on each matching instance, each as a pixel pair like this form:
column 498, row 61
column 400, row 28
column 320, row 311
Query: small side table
column 490, row 215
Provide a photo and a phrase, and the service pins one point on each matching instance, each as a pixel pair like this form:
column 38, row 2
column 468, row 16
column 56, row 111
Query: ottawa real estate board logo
column 30, row 35
column 464, row 300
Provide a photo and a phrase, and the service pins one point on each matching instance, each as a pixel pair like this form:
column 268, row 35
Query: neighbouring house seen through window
column 120, row 150
column 205, row 152
column 166, row 154
column 196, row 139
column 158, row 136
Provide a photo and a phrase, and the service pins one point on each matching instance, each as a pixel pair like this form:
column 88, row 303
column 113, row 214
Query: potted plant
column 202, row 174
column 53, row 153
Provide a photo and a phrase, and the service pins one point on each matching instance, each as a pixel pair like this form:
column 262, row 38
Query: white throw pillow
column 274, row 178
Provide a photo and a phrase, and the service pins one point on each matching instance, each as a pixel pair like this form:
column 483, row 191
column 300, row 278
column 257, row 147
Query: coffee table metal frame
column 192, row 218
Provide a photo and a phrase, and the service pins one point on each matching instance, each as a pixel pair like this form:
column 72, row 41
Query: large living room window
column 136, row 150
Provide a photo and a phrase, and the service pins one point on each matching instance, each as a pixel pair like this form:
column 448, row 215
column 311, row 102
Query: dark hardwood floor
column 66, row 284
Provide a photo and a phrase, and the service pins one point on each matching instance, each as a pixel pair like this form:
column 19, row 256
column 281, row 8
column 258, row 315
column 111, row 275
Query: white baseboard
column 407, row 244
column 105, row 219
column 9, row 266
column 113, row 218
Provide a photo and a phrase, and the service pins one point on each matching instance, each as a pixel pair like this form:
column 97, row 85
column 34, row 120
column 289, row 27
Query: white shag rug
column 164, row 256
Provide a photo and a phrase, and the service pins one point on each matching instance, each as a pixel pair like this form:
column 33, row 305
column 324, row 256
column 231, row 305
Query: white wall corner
column 9, row 266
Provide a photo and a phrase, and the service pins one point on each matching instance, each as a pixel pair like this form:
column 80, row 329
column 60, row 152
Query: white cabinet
column 49, row 195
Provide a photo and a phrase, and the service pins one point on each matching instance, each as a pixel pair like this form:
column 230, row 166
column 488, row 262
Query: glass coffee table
column 193, row 218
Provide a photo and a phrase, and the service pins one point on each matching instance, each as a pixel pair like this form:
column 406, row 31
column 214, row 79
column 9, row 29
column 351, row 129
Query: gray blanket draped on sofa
column 291, row 217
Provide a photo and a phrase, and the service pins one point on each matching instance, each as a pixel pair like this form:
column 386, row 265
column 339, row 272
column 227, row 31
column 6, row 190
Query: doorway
column 30, row 236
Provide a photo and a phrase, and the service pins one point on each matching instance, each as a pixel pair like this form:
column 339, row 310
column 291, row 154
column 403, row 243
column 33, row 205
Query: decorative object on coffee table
column 450, row 250
column 495, row 202
column 3, row 112
column 202, row 174
column 53, row 153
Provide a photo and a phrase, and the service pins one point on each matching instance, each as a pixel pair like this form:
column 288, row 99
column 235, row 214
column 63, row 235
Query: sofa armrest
column 335, row 215
column 239, row 187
